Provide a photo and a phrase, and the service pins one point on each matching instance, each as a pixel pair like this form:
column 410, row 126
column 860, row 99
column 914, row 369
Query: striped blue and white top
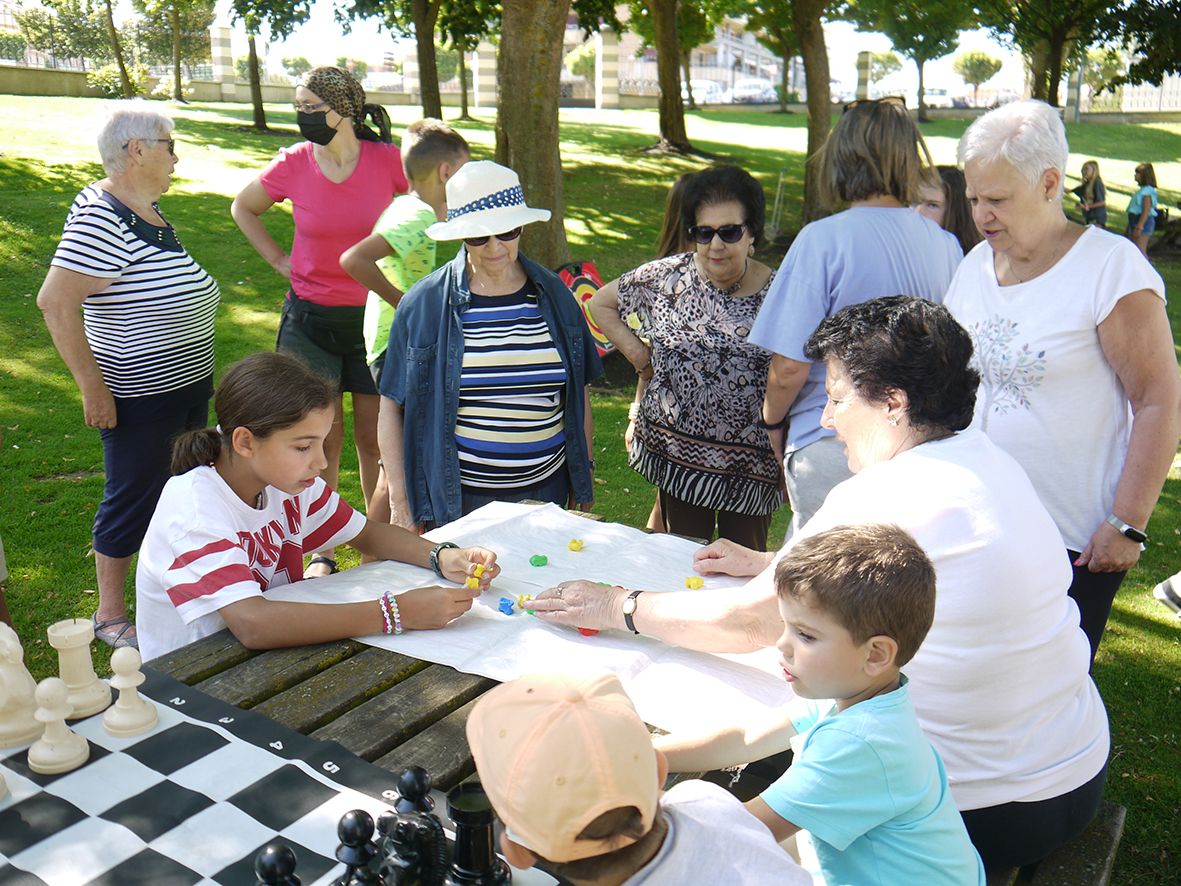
column 509, row 430
column 151, row 329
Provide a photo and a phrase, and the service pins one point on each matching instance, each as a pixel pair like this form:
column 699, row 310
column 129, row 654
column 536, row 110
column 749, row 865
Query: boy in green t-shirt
column 399, row 253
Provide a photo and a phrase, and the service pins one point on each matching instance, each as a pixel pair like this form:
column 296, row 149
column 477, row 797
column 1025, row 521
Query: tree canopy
column 976, row 68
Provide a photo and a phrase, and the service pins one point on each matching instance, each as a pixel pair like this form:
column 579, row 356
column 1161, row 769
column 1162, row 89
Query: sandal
column 326, row 561
column 105, row 631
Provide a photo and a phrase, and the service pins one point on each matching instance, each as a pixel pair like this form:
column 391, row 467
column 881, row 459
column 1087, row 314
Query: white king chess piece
column 59, row 749
column 131, row 713
column 87, row 693
column 17, row 724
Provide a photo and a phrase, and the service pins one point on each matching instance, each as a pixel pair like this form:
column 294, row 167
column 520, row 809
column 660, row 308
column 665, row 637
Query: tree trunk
column 260, row 115
column 685, row 66
column 672, row 109
column 463, row 108
column 1054, row 63
column 806, row 21
column 117, row 50
column 177, row 90
column 783, row 83
column 425, row 14
column 528, row 71
column 1038, row 58
column 922, row 106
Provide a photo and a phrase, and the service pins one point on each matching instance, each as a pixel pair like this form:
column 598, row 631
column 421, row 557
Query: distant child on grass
column 856, row 603
column 246, row 503
column 571, row 772
column 399, row 253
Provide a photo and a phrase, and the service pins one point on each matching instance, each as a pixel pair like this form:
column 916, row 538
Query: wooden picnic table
column 390, row 709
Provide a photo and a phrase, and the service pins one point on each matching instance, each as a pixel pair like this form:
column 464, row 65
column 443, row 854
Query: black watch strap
column 435, row 555
column 629, row 610
column 1127, row 530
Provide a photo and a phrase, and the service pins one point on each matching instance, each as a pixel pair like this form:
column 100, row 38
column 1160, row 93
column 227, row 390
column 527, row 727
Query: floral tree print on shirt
column 1009, row 371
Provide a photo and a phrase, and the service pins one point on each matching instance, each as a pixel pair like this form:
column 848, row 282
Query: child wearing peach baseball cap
column 570, row 769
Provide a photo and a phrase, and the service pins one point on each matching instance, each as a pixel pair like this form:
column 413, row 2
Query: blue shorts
column 1134, row 219
column 137, row 453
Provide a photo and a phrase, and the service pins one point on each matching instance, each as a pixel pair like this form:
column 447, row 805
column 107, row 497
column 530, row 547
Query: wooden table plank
column 376, row 727
column 269, row 673
column 203, row 658
column 441, row 749
column 330, row 693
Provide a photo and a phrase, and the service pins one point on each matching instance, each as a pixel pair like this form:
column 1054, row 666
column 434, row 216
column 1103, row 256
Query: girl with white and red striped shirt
column 246, row 503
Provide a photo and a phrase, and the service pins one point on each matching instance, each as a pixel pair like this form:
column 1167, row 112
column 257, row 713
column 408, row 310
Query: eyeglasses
column 885, row 100
column 308, row 107
column 506, row 237
column 704, row 234
column 171, row 142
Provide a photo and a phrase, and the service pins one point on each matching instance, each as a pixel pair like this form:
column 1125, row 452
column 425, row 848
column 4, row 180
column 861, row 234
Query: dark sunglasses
column 885, row 100
column 171, row 142
column 506, row 237
column 704, row 234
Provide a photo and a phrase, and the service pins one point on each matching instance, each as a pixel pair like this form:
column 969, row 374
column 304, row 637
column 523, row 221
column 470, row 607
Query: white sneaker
column 1166, row 592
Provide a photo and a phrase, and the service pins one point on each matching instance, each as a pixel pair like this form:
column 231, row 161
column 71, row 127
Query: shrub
column 107, row 79
column 164, row 89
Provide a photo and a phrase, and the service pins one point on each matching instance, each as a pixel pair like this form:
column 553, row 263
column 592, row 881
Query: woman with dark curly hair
column 1000, row 683
column 697, row 436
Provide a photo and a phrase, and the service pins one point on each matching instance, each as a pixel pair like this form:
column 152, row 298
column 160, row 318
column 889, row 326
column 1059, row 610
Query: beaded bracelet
column 385, row 614
column 392, row 601
column 633, row 411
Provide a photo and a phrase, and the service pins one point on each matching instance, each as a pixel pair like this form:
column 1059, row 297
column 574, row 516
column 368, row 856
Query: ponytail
column 380, row 118
column 195, row 448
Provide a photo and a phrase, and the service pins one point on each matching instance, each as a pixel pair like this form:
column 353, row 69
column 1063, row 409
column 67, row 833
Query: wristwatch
column 435, row 551
column 1127, row 530
column 629, row 609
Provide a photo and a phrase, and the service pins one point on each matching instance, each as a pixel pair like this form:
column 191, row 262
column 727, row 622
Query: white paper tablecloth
column 674, row 689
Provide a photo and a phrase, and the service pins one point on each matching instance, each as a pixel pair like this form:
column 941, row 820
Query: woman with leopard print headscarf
column 338, row 181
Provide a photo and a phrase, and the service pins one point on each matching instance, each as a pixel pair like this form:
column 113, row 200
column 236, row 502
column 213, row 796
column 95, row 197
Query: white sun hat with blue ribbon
column 484, row 199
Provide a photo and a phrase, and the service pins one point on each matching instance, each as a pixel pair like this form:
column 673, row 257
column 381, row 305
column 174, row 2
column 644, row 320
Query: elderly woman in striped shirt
column 131, row 314
column 484, row 392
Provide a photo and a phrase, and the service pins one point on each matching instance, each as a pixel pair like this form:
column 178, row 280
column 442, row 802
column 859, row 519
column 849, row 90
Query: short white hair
column 1028, row 135
column 127, row 120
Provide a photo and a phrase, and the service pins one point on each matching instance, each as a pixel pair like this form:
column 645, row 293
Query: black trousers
column 1094, row 592
column 695, row 521
column 1012, row 835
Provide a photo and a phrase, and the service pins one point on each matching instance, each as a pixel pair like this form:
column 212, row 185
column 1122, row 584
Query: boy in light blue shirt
column 856, row 602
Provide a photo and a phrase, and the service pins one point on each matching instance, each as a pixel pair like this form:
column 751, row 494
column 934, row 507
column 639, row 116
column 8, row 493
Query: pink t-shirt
column 331, row 217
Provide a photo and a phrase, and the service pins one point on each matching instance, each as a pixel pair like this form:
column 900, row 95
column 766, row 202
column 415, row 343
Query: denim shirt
column 422, row 371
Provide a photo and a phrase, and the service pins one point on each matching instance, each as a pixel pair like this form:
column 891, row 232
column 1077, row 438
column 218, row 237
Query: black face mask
column 314, row 127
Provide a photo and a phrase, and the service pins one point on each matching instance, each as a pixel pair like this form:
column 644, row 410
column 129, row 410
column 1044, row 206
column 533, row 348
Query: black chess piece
column 356, row 849
column 415, row 849
column 414, row 791
column 275, row 866
column 475, row 862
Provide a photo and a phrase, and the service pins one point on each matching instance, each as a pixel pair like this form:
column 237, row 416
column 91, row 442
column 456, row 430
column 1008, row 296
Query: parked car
column 753, row 89
column 705, row 92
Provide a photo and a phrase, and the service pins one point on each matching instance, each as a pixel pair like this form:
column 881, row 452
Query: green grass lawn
column 51, row 464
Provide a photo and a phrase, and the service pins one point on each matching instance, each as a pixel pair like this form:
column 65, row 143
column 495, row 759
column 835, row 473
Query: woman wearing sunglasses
column 871, row 164
column 483, row 393
column 698, row 434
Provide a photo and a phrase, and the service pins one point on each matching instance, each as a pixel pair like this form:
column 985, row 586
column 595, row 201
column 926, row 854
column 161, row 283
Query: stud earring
column 893, row 420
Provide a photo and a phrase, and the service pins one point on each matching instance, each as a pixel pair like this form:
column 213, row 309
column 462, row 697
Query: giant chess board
column 191, row 801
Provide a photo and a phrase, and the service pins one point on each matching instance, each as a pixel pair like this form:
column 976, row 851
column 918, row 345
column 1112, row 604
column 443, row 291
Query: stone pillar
column 223, row 61
column 1072, row 113
column 411, row 84
column 863, row 67
column 484, row 76
column 606, row 69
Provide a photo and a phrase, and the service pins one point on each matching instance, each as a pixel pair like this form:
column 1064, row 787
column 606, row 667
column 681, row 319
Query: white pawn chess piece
column 59, row 749
column 131, row 713
column 17, row 724
column 87, row 693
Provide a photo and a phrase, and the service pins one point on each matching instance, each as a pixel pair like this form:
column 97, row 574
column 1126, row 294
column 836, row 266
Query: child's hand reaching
column 462, row 564
column 434, row 607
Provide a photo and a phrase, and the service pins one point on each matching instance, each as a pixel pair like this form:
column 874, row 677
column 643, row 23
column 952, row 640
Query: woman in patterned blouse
column 698, row 431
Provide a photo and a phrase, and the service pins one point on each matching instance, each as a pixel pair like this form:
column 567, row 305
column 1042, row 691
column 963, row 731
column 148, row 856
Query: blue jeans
column 555, row 488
